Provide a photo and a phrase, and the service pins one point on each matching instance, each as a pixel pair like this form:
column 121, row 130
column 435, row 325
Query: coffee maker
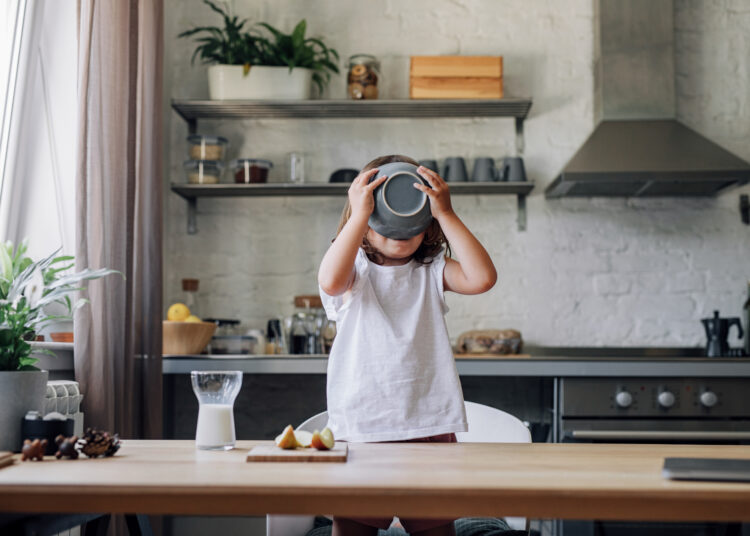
column 717, row 335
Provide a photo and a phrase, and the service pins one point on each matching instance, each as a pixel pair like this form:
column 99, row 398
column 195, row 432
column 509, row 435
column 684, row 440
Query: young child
column 391, row 371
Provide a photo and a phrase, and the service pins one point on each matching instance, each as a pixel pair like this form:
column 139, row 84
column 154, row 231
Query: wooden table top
column 571, row 481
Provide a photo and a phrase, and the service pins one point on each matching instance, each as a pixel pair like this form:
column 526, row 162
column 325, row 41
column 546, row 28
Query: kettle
column 717, row 334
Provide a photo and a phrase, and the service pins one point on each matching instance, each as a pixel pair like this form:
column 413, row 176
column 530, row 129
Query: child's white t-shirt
column 391, row 371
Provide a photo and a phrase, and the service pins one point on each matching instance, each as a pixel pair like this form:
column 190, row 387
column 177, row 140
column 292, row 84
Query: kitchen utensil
column 430, row 164
column 401, row 211
column 203, row 171
column 232, row 345
column 216, row 391
column 513, row 169
column 454, row 169
column 250, row 170
column 717, row 334
column 186, row 338
column 206, row 147
column 276, row 341
column 484, row 170
column 343, row 175
column 272, row 453
column 296, row 167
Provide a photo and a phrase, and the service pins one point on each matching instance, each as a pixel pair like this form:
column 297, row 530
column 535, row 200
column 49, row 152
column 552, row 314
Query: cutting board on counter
column 272, row 453
column 6, row 458
column 492, row 356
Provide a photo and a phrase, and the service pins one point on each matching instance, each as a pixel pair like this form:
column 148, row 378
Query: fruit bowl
column 186, row 338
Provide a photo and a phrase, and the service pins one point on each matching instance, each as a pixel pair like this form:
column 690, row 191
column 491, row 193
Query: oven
column 652, row 410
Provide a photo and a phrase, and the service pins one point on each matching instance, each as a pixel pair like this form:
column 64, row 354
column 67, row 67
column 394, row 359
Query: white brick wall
column 599, row 272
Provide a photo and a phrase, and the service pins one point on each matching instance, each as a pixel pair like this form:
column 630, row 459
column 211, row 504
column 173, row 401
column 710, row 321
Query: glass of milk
column 216, row 391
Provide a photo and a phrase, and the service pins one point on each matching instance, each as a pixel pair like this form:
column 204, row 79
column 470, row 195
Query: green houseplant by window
column 262, row 62
column 27, row 287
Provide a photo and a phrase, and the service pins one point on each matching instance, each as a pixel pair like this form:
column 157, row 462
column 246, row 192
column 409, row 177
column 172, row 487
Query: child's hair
column 434, row 239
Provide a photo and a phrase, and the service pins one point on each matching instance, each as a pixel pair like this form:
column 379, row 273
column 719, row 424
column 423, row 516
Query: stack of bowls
column 206, row 163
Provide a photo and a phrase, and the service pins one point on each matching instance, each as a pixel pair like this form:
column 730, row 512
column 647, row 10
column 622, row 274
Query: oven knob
column 624, row 399
column 666, row 399
column 709, row 399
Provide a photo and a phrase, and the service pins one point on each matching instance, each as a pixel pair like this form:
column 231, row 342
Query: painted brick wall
column 587, row 272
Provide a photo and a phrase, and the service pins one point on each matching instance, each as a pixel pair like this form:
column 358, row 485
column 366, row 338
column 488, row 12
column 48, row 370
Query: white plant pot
column 20, row 392
column 229, row 82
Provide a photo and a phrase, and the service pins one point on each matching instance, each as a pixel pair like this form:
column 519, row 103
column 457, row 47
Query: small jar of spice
column 364, row 72
column 250, row 170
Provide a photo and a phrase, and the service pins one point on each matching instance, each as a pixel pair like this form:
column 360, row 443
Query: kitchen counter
column 541, row 362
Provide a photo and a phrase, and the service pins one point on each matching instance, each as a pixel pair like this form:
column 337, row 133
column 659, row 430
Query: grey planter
column 19, row 392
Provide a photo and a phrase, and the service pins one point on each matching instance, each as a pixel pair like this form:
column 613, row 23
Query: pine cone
column 96, row 443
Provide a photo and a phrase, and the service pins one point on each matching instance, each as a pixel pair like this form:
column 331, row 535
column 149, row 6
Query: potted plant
column 248, row 64
column 26, row 288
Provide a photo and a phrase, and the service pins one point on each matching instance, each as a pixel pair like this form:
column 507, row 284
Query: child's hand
column 360, row 193
column 439, row 194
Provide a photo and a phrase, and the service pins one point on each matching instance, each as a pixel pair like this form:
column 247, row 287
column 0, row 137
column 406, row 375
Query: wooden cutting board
column 6, row 458
column 272, row 453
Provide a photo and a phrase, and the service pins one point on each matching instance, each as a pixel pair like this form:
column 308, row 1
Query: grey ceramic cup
column 485, row 170
column 401, row 211
column 454, row 169
column 513, row 169
column 430, row 164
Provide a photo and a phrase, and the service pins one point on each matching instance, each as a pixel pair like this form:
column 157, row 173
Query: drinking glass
column 216, row 391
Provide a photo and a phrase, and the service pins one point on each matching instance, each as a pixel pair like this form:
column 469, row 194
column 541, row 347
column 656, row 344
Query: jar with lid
column 203, row 171
column 250, row 170
column 206, row 147
column 363, row 77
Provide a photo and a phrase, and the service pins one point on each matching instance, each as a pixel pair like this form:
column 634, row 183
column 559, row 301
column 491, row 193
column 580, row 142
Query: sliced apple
column 304, row 439
column 287, row 439
column 323, row 440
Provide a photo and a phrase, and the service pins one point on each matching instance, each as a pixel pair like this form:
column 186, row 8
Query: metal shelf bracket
column 192, row 215
column 521, row 212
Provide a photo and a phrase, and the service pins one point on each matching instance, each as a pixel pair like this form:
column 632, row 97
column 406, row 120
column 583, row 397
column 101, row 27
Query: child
column 391, row 371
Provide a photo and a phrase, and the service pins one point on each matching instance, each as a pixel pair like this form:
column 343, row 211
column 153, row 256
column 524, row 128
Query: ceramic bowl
column 401, row 211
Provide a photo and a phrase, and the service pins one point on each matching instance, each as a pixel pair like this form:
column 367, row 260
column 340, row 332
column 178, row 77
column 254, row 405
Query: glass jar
column 250, row 170
column 203, row 171
column 364, row 73
column 206, row 147
column 189, row 292
column 298, row 334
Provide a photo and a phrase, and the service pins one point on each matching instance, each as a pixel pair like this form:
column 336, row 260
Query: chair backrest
column 486, row 425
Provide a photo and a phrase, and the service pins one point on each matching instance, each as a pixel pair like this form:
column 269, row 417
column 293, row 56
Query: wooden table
column 569, row 481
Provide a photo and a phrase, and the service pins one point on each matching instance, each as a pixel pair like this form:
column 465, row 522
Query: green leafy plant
column 229, row 45
column 26, row 287
column 235, row 45
column 296, row 50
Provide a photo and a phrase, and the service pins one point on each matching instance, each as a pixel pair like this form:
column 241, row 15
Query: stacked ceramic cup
column 206, row 163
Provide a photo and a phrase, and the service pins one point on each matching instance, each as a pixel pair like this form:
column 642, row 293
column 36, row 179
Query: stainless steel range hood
column 648, row 158
column 639, row 148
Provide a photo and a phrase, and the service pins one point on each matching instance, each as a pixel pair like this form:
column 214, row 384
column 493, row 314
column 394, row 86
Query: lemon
column 193, row 318
column 178, row 312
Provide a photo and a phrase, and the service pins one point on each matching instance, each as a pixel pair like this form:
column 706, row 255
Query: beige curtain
column 118, row 208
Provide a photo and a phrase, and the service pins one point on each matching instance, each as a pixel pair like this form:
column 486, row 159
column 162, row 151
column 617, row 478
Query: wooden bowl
column 186, row 338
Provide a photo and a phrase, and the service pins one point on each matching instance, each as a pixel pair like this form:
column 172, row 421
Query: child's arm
column 473, row 272
column 336, row 273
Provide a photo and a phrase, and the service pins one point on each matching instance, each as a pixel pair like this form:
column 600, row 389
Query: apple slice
column 304, row 439
column 287, row 439
column 323, row 440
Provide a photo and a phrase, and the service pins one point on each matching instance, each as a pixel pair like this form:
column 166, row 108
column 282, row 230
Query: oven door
column 669, row 431
column 694, row 431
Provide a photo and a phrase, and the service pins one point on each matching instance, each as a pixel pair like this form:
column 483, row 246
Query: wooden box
column 456, row 77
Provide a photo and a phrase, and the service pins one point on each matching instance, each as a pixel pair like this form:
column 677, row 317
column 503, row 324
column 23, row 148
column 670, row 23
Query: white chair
column 486, row 425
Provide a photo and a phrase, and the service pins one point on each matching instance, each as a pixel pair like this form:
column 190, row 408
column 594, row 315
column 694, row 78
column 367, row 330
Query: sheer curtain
column 118, row 225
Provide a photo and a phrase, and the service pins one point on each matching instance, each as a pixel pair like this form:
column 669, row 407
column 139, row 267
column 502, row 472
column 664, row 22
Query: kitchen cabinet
column 193, row 110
